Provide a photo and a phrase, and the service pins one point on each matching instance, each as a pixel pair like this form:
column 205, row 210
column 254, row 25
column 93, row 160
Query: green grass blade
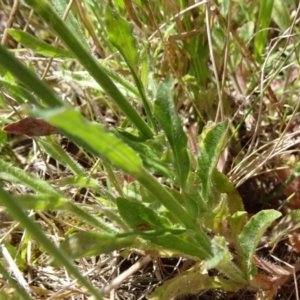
column 28, row 78
column 37, row 45
column 14, row 174
column 92, row 137
column 70, row 21
column 94, row 243
column 43, row 8
column 14, row 284
column 60, row 257
column 50, row 202
column 56, row 152
column 20, row 94
column 262, row 24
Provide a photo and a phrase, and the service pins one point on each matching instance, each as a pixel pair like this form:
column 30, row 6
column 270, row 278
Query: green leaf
column 17, row 175
column 216, row 219
column 190, row 201
column 237, row 222
column 50, row 202
column 84, row 79
column 252, row 233
column 120, row 34
column 194, row 197
column 167, row 116
column 41, row 202
column 212, row 139
column 93, row 243
column 37, row 45
column 281, row 14
column 262, row 25
column 71, row 22
column 222, row 260
column 29, row 79
column 188, row 243
column 20, row 94
column 137, row 215
column 190, row 283
column 150, row 160
column 222, row 184
column 80, row 181
column 92, row 137
column 55, row 151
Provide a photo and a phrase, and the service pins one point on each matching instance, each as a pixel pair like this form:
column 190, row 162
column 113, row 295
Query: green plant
column 195, row 211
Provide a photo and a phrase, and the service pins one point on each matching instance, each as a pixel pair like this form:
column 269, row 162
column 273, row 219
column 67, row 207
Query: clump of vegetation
column 160, row 156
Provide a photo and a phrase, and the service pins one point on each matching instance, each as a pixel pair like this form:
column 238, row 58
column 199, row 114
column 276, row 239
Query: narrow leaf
column 222, row 260
column 288, row 224
column 150, row 159
column 222, row 184
column 19, row 93
column 56, row 152
column 37, row 45
column 17, row 213
column 210, row 150
column 84, row 79
column 120, row 34
column 252, row 233
column 237, row 222
column 85, row 57
column 28, row 78
column 41, row 202
column 14, row 174
column 281, row 15
column 50, row 202
column 93, row 243
column 263, row 23
column 168, row 118
column 81, row 181
column 95, row 139
column 190, row 283
column 71, row 22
